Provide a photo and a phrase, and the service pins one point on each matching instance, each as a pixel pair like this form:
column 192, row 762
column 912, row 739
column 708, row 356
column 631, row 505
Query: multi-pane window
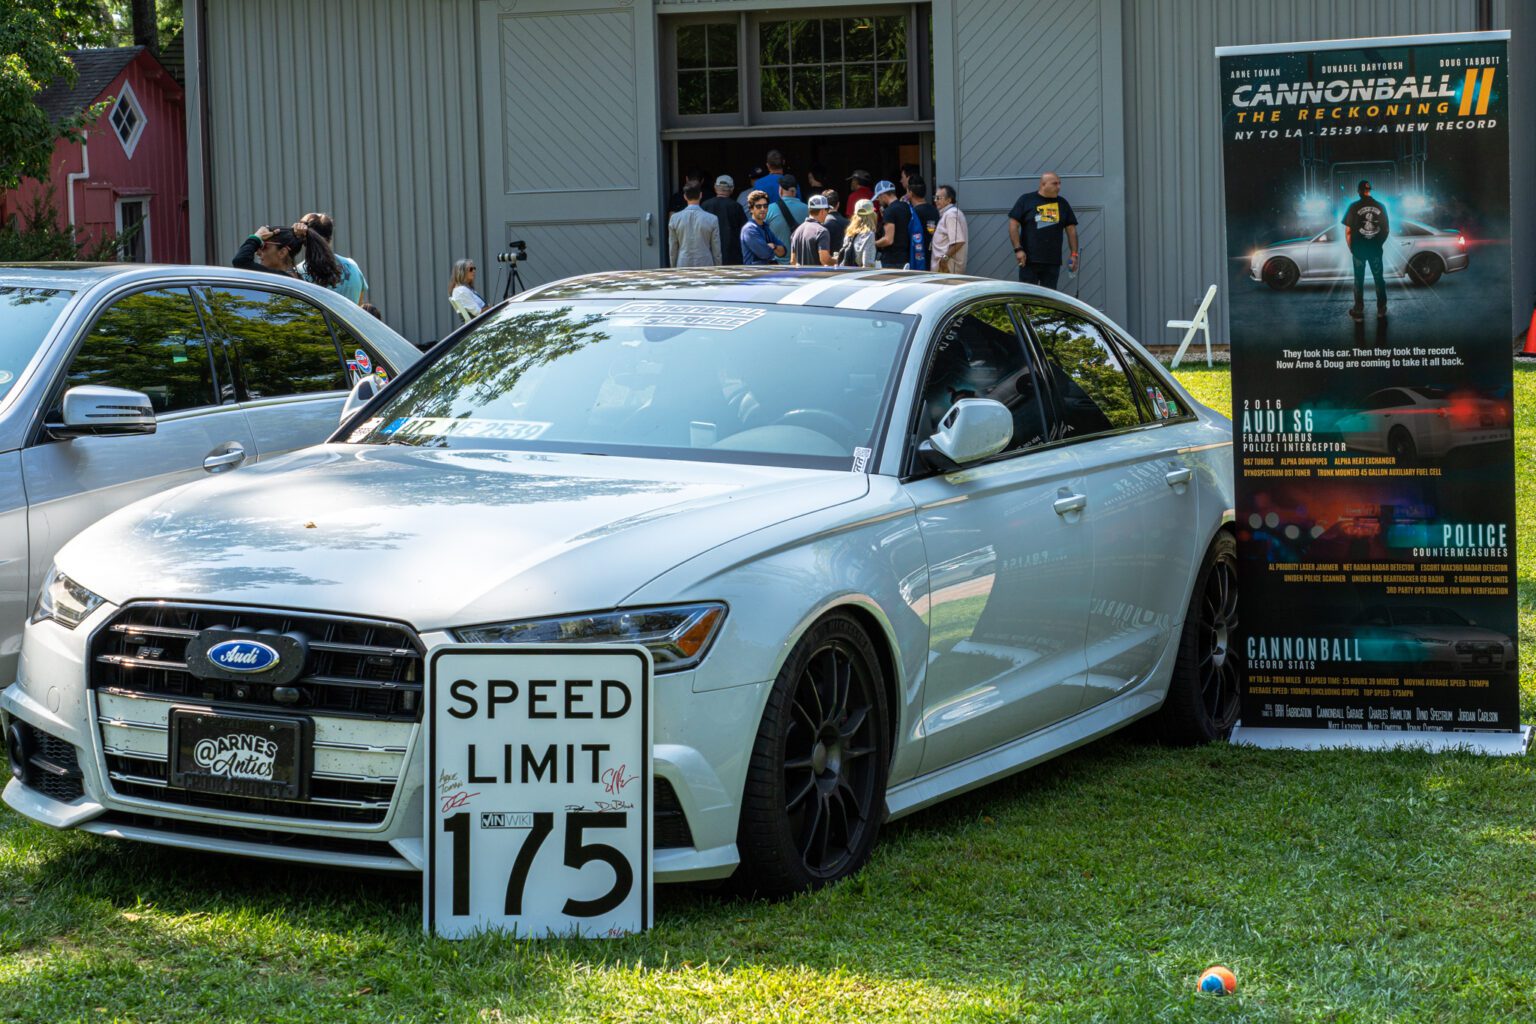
column 707, row 62
column 833, row 63
column 127, row 120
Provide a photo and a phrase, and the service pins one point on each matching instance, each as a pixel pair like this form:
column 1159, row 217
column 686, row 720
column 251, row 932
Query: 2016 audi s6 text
column 888, row 536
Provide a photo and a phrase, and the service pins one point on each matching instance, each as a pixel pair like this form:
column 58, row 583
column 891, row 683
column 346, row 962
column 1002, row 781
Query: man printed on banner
column 1365, row 230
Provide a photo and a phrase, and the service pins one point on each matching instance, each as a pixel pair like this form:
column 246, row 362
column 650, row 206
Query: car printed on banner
column 1415, row 251
column 1424, row 422
column 1431, row 638
column 120, row 381
column 887, row 535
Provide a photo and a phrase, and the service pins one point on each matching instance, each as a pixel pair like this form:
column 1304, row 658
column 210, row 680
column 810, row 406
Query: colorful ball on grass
column 1218, row 981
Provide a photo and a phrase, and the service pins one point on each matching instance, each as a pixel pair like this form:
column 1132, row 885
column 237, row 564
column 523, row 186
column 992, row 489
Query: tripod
column 513, row 282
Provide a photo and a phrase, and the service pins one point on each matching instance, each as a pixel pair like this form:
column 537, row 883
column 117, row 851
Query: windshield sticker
column 861, row 459
column 6, row 376
column 673, row 314
column 363, row 429
column 445, row 426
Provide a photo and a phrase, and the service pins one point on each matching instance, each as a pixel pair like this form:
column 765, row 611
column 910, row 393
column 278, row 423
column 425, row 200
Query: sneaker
column 1356, row 313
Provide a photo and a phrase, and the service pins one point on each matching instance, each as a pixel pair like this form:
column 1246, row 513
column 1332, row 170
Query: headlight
column 677, row 637
column 64, row 601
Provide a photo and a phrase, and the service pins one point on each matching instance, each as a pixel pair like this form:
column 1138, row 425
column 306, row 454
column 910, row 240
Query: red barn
column 132, row 166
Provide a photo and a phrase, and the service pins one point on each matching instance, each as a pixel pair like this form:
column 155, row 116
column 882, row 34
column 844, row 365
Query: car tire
column 1280, row 273
column 1426, row 268
column 1205, row 692
column 1401, row 446
column 815, row 789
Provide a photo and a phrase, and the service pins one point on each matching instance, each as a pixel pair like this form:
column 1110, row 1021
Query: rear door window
column 361, row 357
column 1093, row 390
column 280, row 344
column 151, row 342
column 1159, row 402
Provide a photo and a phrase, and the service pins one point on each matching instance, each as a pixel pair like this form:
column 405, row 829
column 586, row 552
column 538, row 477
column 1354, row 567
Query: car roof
column 879, row 289
column 67, row 276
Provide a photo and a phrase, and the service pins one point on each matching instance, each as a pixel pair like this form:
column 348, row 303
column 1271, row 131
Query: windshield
column 27, row 314
column 716, row 381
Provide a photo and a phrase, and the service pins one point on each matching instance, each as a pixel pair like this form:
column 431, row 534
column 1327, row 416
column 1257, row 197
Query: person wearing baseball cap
column 811, row 244
column 861, row 181
column 894, row 242
column 732, row 219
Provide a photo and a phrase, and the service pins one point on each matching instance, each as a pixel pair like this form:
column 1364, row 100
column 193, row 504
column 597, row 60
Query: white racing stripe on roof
column 874, row 293
column 806, row 292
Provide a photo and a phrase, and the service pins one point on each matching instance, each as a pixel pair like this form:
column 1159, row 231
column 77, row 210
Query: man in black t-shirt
column 894, row 246
column 928, row 216
column 1036, row 225
column 1366, row 230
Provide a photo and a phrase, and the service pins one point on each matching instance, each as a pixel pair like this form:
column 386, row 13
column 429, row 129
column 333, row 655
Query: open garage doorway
column 881, row 154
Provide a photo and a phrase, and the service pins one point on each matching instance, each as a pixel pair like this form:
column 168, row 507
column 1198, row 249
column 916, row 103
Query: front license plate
column 241, row 755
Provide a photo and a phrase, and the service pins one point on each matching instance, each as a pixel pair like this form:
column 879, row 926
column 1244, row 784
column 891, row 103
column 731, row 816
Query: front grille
column 367, row 669
column 1471, row 647
column 671, row 823
column 361, row 685
column 54, row 768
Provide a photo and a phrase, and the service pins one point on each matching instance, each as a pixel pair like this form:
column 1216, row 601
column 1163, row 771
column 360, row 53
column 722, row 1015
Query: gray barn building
column 437, row 129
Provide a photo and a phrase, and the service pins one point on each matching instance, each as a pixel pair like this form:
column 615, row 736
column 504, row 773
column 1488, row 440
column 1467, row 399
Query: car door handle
column 1070, row 503
column 1179, row 477
column 225, row 457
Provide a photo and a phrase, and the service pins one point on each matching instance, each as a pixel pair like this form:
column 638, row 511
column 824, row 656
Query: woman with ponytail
column 319, row 264
column 352, row 284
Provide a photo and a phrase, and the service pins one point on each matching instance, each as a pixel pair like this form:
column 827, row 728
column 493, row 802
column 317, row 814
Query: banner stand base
column 1499, row 744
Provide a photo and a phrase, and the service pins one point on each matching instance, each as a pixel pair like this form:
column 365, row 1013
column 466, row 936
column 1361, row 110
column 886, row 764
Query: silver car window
column 1092, row 388
column 281, row 344
column 715, row 381
column 28, row 314
column 150, row 342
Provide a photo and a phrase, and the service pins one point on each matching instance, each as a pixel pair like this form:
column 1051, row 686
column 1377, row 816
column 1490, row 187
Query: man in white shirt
column 952, row 234
column 693, row 234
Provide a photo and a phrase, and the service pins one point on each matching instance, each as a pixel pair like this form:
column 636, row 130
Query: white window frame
column 127, row 96
column 149, row 256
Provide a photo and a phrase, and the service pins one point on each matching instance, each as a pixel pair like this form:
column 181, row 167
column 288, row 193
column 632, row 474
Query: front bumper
column 703, row 746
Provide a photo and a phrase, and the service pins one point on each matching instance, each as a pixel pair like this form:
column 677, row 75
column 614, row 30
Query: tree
column 34, row 57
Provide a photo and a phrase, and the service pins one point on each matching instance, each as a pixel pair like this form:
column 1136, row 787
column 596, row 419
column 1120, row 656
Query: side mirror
column 361, row 394
column 94, row 410
column 973, row 429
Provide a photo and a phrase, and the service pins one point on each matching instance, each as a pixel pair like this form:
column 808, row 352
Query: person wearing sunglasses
column 759, row 247
column 271, row 249
column 461, row 291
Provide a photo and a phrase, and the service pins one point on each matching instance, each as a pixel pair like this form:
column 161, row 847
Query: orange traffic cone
column 1529, row 351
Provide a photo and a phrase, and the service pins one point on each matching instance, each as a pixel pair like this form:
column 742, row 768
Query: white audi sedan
column 888, row 536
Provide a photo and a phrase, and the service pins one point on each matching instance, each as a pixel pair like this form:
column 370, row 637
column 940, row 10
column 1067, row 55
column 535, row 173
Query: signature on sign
column 614, row 780
column 457, row 800
column 447, row 782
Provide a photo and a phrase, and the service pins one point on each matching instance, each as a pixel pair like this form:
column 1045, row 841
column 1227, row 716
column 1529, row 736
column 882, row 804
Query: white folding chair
column 464, row 311
column 1200, row 322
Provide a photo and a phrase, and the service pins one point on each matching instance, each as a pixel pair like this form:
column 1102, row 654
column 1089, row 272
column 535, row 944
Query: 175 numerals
column 578, row 854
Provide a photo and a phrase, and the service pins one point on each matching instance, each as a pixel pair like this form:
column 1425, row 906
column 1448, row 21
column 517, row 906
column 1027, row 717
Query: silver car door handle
column 1071, row 503
column 227, row 459
column 1180, row 476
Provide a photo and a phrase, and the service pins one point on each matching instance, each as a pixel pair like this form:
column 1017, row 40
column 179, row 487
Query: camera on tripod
column 517, row 250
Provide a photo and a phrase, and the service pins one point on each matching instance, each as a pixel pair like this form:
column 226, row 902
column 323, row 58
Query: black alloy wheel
column 1205, row 690
column 1280, row 273
column 1426, row 268
column 815, row 793
column 1401, row 446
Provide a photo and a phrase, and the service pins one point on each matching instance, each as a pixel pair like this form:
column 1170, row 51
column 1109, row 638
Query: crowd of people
column 768, row 221
column 876, row 224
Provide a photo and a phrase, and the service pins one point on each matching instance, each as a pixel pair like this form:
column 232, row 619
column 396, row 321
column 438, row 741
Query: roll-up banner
column 1368, row 243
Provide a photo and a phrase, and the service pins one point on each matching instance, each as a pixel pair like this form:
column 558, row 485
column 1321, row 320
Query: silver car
column 119, row 381
column 1414, row 251
column 888, row 535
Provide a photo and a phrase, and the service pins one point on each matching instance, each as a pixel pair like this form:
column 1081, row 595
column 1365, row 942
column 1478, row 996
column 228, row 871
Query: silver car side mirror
column 361, row 394
column 973, row 429
column 95, row 410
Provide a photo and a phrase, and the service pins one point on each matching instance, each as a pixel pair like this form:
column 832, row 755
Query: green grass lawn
column 1341, row 887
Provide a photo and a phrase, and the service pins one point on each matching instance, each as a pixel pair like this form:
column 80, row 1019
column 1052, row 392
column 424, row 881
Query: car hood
column 1454, row 634
column 437, row 538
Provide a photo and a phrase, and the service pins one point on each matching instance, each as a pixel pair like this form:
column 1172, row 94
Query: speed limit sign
column 538, row 803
